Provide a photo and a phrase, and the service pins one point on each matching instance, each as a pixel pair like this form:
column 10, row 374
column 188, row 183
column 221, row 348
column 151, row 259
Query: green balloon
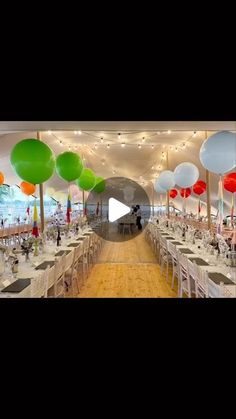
column 33, row 161
column 100, row 185
column 69, row 166
column 86, row 180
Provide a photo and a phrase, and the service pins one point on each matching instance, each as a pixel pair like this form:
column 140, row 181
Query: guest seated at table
column 139, row 216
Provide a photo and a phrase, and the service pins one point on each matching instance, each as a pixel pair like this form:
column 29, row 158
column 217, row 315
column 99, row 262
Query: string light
column 153, row 167
column 143, row 140
column 169, row 131
column 75, row 132
column 159, row 167
column 152, row 146
column 123, row 145
column 95, row 146
column 103, row 163
column 114, row 172
column 61, row 143
column 84, row 158
column 108, row 145
column 176, row 149
column 183, row 145
column 69, row 147
column 79, row 132
column 194, row 134
column 119, row 135
column 171, row 148
column 139, row 146
column 101, row 139
column 163, row 146
column 49, row 132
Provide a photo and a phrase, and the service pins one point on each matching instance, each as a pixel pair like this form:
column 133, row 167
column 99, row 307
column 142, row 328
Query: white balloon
column 186, row 174
column 166, row 180
column 218, row 153
column 158, row 188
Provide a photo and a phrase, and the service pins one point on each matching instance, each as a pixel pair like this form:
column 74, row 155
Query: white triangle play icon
column 116, row 209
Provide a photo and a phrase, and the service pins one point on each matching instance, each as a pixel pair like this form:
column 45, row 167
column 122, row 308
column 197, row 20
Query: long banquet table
column 213, row 264
column 28, row 269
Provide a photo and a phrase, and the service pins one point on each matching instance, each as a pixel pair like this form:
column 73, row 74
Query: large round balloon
column 33, row 161
column 1, row 178
column 86, row 180
column 230, row 182
column 173, row 193
column 27, row 188
column 185, row 192
column 218, row 152
column 166, row 180
column 69, row 166
column 199, row 187
column 186, row 174
column 100, row 185
column 158, row 188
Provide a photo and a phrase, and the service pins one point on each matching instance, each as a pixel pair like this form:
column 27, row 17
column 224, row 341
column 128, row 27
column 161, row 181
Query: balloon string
column 232, row 209
column 220, row 207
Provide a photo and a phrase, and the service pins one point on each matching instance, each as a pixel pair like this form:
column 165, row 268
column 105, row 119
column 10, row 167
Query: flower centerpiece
column 26, row 247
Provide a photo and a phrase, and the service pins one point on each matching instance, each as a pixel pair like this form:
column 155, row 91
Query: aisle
column 127, row 269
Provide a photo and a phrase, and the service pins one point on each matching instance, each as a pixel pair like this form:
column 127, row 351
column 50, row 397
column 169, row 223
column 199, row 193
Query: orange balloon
column 1, row 178
column 27, row 188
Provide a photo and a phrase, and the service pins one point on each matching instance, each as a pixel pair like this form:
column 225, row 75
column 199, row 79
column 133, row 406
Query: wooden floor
column 127, row 269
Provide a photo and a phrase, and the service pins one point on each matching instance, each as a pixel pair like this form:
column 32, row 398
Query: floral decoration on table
column 27, row 247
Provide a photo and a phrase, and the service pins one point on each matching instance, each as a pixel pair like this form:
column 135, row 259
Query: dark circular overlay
column 127, row 192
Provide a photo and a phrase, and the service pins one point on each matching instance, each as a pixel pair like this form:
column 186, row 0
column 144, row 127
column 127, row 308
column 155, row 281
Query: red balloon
column 230, row 182
column 185, row 192
column 173, row 193
column 199, row 187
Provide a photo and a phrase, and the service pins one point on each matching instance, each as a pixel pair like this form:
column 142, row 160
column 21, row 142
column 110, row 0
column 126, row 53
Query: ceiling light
column 139, row 146
column 75, row 132
column 49, row 132
column 69, row 147
column 176, row 149
column 143, row 140
column 108, row 145
column 171, row 148
column 79, row 132
column 96, row 146
column 119, row 136
column 61, row 144
column 183, row 145
column 153, row 167
column 152, row 146
column 194, row 134
column 123, row 145
column 101, row 139
column 169, row 131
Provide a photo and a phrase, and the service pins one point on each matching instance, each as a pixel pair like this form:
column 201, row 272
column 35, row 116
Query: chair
column 39, row 285
column 165, row 257
column 200, row 279
column 185, row 285
column 175, row 264
column 59, row 277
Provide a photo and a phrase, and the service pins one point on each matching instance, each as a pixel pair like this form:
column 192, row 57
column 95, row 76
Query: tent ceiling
column 141, row 164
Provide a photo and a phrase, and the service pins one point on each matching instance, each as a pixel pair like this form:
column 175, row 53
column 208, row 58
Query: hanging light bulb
column 101, row 139
column 79, row 132
column 122, row 144
column 84, row 158
column 49, row 132
column 119, row 135
column 75, row 132
column 143, row 140
column 139, row 146
column 95, row 146
column 108, row 145
column 61, row 143
column 152, row 146
column 164, row 146
column 158, row 133
column 69, row 147
column 171, row 148
column 114, row 172
column 169, row 131
column 195, row 133
column 153, row 167
column 183, row 145
column 176, row 149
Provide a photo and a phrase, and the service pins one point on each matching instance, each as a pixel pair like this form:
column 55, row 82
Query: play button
column 116, row 209
column 114, row 214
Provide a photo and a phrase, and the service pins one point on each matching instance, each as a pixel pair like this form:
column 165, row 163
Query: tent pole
column 41, row 195
column 167, row 193
column 208, row 195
